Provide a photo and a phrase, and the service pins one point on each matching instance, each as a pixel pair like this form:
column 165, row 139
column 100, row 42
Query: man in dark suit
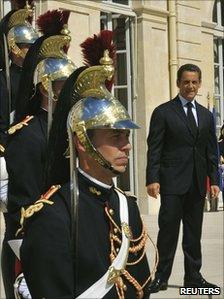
column 182, row 151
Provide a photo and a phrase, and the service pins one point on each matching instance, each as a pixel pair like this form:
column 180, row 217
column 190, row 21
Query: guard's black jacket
column 25, row 158
column 15, row 73
column 46, row 249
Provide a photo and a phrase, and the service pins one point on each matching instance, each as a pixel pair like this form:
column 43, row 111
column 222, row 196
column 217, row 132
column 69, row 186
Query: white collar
column 94, row 180
column 184, row 101
column 44, row 109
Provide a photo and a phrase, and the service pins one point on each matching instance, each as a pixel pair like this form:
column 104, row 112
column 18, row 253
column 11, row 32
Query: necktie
column 191, row 119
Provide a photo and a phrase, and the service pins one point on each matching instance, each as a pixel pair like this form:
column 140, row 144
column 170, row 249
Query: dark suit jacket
column 221, row 147
column 174, row 152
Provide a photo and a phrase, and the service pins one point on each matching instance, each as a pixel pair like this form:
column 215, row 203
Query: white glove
column 3, row 171
column 21, row 289
column 3, row 185
column 3, row 196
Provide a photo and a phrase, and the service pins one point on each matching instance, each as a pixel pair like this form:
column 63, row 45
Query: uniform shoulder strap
column 37, row 206
column 20, row 125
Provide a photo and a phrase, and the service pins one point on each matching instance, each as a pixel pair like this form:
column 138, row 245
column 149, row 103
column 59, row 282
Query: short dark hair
column 188, row 68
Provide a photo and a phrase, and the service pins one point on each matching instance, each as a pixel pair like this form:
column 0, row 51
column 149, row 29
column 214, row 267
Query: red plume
column 52, row 22
column 65, row 16
column 93, row 49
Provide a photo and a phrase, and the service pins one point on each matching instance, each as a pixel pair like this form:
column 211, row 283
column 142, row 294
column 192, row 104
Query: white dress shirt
column 184, row 105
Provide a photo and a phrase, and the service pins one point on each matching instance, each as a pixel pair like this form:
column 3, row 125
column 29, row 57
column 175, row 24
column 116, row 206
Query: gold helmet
column 20, row 30
column 54, row 63
column 97, row 109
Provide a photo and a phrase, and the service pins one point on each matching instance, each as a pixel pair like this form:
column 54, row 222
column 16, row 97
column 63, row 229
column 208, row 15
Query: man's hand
column 153, row 189
column 214, row 191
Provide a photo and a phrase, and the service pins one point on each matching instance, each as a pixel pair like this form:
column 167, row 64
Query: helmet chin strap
column 106, row 164
column 95, row 154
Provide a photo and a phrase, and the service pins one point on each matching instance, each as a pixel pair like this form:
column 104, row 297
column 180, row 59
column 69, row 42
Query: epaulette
column 37, row 206
column 2, row 149
column 20, row 125
column 127, row 194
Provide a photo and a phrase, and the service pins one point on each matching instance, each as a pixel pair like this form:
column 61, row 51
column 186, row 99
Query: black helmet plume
column 57, row 169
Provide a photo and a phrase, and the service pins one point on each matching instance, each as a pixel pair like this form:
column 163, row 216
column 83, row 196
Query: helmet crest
column 93, row 49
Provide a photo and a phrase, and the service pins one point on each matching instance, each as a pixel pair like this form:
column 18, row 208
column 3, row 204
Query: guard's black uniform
column 15, row 73
column 25, row 157
column 46, row 249
column 7, row 256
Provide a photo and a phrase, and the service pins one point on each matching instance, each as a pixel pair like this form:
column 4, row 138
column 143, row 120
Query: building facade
column 153, row 37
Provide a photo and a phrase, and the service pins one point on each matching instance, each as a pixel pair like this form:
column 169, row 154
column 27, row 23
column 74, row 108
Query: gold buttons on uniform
column 111, row 211
column 94, row 191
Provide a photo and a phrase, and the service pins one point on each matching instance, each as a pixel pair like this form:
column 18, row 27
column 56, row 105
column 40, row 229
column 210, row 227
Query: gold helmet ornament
column 20, row 30
column 54, row 63
column 98, row 108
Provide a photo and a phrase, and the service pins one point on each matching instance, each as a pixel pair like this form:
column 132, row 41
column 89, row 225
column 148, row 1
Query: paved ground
column 212, row 250
column 212, row 246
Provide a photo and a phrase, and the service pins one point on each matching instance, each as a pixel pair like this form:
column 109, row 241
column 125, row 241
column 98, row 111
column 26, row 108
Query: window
column 5, row 7
column 218, row 12
column 123, row 2
column 218, row 84
column 122, row 90
column 218, row 18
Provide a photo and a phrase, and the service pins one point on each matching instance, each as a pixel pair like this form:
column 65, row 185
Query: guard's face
column 18, row 58
column 189, row 85
column 114, row 145
column 24, row 49
column 57, row 87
